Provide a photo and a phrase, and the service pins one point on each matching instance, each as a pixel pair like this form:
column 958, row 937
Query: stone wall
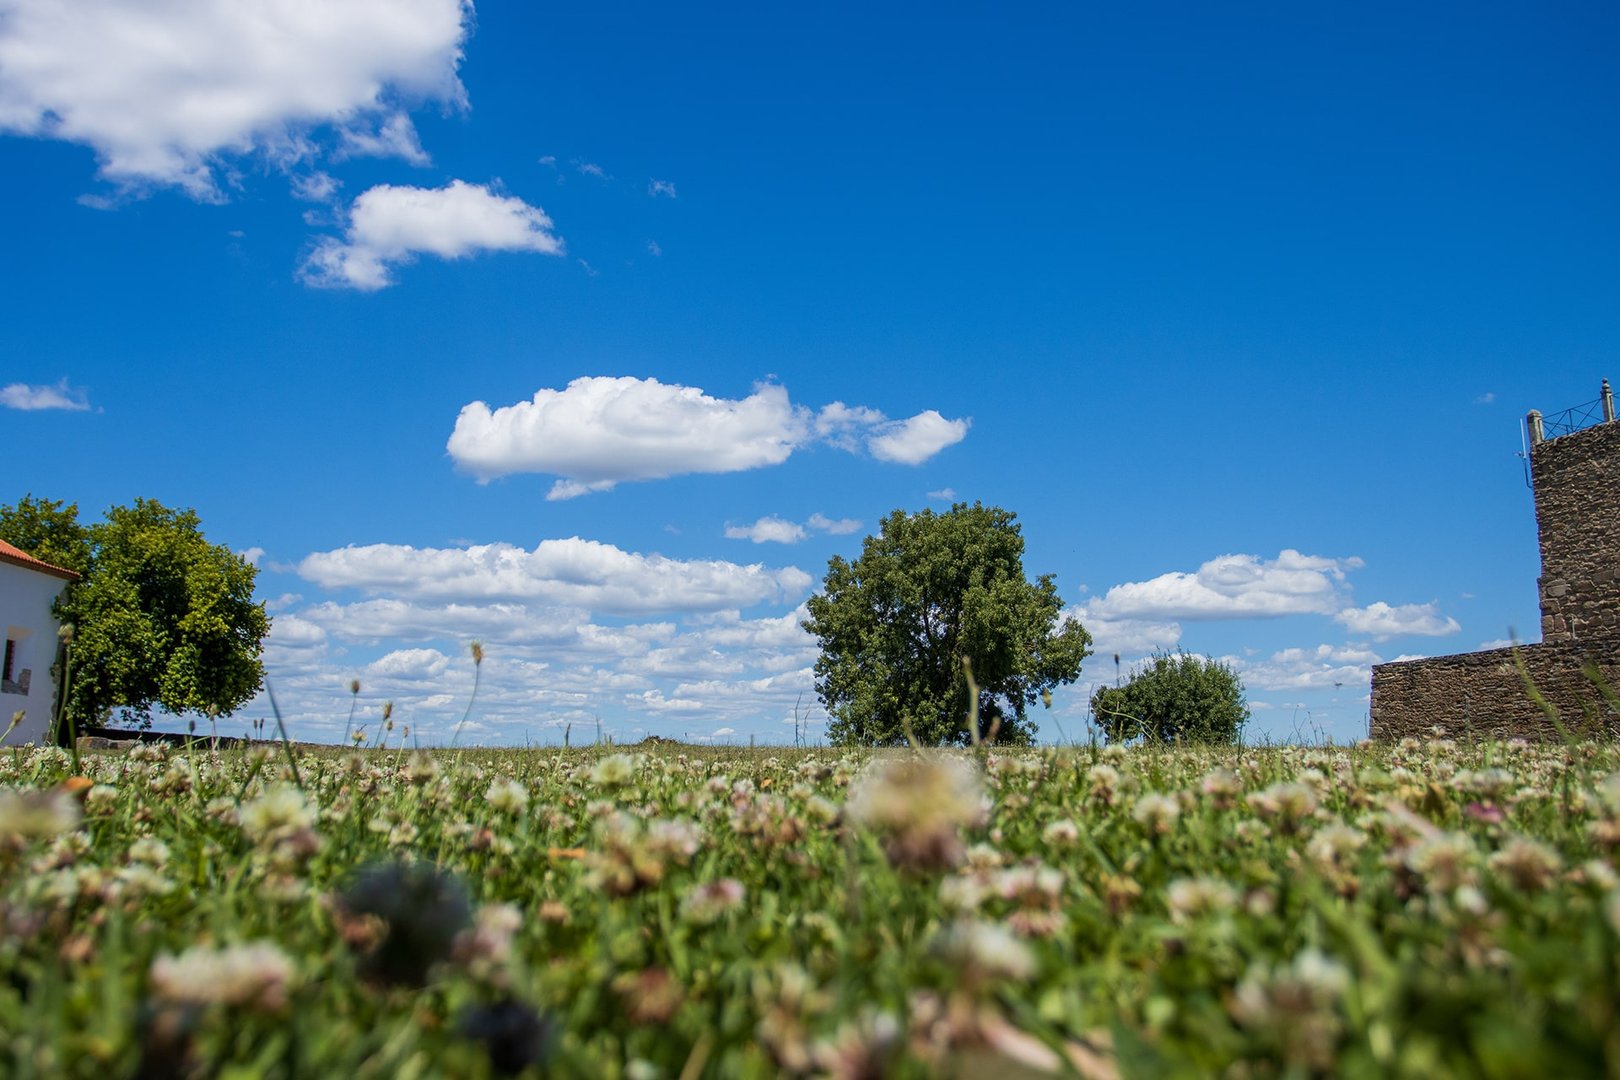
column 1576, row 478
column 1483, row 694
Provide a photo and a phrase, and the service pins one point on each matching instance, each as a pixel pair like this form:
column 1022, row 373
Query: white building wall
column 26, row 597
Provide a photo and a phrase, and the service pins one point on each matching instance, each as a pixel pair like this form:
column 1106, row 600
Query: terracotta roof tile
column 16, row 556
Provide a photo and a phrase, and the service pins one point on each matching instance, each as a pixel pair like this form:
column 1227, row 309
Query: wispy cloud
column 656, row 188
column 36, row 398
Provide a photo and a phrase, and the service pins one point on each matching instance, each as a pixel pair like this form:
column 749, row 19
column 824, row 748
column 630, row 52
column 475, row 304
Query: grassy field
column 1422, row 910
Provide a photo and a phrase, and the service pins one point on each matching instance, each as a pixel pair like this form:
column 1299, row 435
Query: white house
column 28, row 589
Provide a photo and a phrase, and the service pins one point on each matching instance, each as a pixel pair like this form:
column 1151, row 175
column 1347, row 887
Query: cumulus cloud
column 393, row 225
column 600, row 431
column 1383, row 621
column 35, row 398
column 166, row 92
column 413, row 665
column 768, row 529
column 1326, row 667
column 573, row 572
column 914, row 441
column 1234, row 587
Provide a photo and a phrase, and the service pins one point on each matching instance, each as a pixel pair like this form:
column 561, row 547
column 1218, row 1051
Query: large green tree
column 1174, row 697
column 162, row 618
column 928, row 591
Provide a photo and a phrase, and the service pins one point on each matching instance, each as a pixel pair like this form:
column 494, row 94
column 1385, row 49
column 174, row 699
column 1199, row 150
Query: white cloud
column 394, row 137
column 1486, row 398
column 251, row 555
column 35, row 398
column 1132, row 639
column 1326, row 667
column 1382, row 621
column 943, row 494
column 572, row 572
column 315, row 187
column 767, row 529
column 166, row 92
column 656, row 188
column 1234, row 587
column 914, row 441
column 393, row 225
column 837, row 527
column 413, row 665
column 601, row 431
column 905, row 442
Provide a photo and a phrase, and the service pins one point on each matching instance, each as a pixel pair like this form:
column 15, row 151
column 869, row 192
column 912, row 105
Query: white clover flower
column 506, row 796
column 985, row 952
column 1528, row 864
column 30, row 814
column 1061, row 832
column 279, row 812
column 150, row 851
column 256, row 976
column 1190, row 899
column 917, row 792
column 708, row 902
column 615, row 770
column 1156, row 813
column 1334, row 847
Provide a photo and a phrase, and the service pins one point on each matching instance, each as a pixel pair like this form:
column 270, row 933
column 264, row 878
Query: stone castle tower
column 1575, row 476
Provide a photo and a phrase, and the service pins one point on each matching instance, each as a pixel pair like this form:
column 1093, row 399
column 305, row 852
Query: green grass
column 1421, row 910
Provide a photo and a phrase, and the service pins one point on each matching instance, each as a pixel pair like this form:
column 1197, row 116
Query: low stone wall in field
column 1483, row 694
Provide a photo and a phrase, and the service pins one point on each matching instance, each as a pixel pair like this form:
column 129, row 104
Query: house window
column 13, row 681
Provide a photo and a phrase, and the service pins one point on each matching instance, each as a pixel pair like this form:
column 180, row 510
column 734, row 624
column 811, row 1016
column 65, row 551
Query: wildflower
column 708, row 902
column 1289, row 803
column 1295, row 1005
column 1223, row 786
column 919, row 803
column 982, row 953
column 27, row 814
column 280, row 812
column 1061, row 832
column 649, row 996
column 486, row 948
column 1528, row 865
column 151, row 852
column 1156, row 813
column 254, row 976
column 1038, row 892
column 615, row 770
column 1103, row 781
column 861, row 1048
column 507, row 796
column 1444, row 861
column 101, row 800
column 1191, row 899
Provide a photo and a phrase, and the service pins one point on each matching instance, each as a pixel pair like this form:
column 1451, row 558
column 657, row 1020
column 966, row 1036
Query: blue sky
column 592, row 333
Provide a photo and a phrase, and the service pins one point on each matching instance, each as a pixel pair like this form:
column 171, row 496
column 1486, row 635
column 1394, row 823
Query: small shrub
column 1175, row 697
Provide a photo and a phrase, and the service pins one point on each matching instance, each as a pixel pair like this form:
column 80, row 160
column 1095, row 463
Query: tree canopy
column 162, row 618
column 927, row 591
column 1175, row 697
